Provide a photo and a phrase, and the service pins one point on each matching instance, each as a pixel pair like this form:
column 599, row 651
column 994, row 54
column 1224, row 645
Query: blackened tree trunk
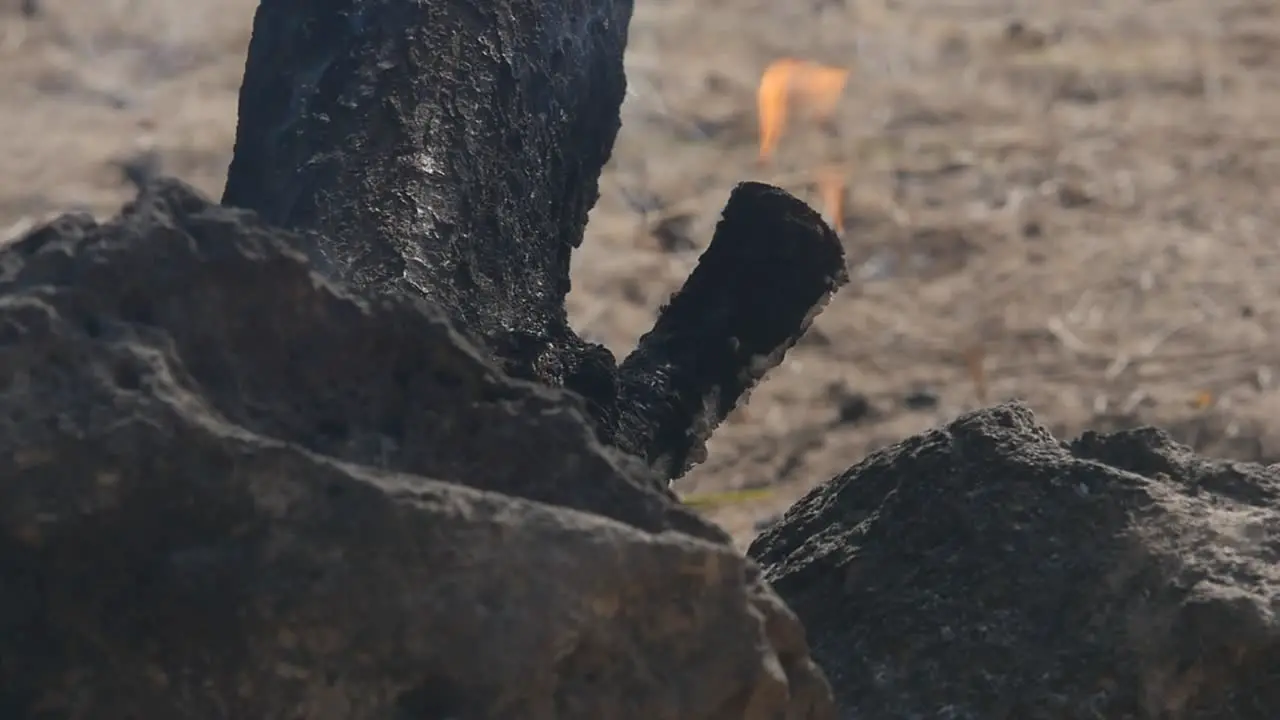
column 452, row 149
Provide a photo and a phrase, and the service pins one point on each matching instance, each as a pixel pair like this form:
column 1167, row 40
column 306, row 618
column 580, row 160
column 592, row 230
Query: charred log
column 453, row 150
column 771, row 266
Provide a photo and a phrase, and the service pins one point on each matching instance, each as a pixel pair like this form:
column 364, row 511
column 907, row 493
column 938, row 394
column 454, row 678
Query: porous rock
column 230, row 488
column 985, row 570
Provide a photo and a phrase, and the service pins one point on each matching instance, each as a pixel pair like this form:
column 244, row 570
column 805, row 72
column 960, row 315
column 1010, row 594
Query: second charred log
column 771, row 267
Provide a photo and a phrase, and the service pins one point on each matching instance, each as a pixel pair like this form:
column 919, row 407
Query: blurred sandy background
column 1071, row 203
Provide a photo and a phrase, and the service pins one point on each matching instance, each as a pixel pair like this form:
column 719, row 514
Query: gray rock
column 985, row 570
column 231, row 489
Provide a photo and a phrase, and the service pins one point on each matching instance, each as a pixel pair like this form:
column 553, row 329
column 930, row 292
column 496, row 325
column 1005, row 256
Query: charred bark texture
column 453, row 149
column 771, row 267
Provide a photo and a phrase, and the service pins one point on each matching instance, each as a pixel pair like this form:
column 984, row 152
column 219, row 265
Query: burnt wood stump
column 453, row 150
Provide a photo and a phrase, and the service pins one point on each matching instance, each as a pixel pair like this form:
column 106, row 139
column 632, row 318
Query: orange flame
column 816, row 88
column 831, row 190
column 788, row 81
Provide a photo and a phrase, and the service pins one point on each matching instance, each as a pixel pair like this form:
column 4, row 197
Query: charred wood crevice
column 453, row 148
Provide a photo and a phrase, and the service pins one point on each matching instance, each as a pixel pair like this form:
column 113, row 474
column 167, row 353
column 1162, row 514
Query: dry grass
column 1072, row 204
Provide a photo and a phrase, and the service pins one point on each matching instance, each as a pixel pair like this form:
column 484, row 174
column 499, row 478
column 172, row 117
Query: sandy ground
column 1069, row 203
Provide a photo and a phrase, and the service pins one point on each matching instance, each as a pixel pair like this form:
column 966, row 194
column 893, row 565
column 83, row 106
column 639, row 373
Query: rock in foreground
column 230, row 489
column 987, row 571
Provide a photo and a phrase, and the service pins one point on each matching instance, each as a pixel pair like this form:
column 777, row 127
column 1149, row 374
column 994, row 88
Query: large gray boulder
column 230, row 488
column 985, row 570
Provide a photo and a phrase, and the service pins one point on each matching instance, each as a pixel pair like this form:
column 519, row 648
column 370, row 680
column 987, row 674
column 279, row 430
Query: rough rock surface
column 231, row 489
column 985, row 571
